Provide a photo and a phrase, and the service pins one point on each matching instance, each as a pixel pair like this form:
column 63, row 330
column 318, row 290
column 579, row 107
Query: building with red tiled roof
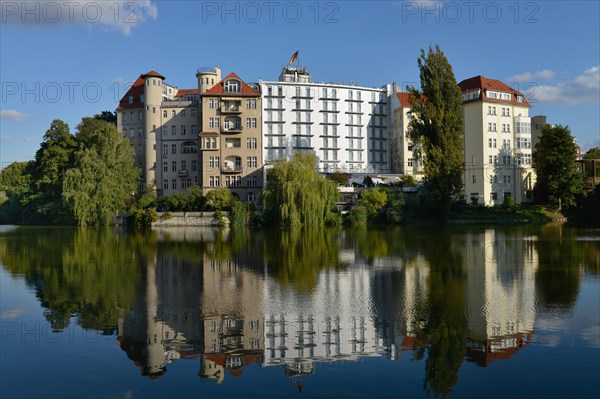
column 497, row 142
column 404, row 160
column 231, row 138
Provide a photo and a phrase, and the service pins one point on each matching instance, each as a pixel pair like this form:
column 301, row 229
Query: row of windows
column 492, row 110
column 194, row 164
column 506, row 179
column 188, row 147
column 181, row 114
column 183, row 130
column 326, row 92
column 230, row 181
column 215, row 103
column 185, row 183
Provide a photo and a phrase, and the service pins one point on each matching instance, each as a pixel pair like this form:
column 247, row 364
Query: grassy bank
column 482, row 214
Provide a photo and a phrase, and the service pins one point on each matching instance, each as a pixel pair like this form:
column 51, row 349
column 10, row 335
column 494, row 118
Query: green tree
column 219, row 199
column 296, row 194
column 15, row 184
column 107, row 116
column 44, row 204
column 373, row 200
column 592, row 153
column 438, row 128
column 339, row 178
column 558, row 178
column 103, row 176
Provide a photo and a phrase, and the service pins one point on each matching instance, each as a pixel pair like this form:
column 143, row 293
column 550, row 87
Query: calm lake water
column 412, row 312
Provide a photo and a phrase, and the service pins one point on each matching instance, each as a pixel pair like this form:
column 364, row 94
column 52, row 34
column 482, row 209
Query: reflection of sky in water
column 580, row 326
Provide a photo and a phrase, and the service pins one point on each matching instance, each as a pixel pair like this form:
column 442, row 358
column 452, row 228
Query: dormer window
column 519, row 98
column 232, row 86
column 130, row 99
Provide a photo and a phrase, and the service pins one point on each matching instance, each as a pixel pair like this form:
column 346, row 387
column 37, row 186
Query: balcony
column 231, row 108
column 231, row 169
column 231, row 128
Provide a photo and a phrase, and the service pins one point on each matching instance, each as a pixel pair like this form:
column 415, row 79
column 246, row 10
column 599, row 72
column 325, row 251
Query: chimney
column 394, row 88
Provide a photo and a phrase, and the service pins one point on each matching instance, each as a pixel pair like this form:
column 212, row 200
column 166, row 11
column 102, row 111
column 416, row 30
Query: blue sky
column 69, row 59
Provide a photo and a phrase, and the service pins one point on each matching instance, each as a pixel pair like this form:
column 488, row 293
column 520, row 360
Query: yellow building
column 497, row 142
column 231, row 138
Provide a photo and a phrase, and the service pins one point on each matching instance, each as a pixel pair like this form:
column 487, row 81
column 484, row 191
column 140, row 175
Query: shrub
column 357, row 216
column 333, row 219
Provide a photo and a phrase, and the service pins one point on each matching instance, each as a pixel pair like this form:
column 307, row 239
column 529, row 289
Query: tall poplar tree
column 438, row 128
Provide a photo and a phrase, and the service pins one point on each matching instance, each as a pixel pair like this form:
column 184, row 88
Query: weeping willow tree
column 296, row 194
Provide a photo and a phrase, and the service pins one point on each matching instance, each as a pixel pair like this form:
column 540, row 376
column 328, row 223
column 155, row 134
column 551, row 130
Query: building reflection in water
column 222, row 308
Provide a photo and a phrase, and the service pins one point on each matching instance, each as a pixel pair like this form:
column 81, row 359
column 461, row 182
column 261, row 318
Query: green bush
column 239, row 213
column 167, row 216
column 357, row 216
column 333, row 219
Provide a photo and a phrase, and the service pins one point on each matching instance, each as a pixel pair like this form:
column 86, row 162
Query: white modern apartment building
column 497, row 142
column 347, row 127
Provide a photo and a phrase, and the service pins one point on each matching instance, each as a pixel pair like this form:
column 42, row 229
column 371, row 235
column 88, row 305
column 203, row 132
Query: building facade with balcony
column 162, row 122
column 231, row 139
column 497, row 142
column 347, row 127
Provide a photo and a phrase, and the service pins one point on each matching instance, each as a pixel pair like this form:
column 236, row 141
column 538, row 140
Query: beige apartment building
column 497, row 142
column 404, row 160
column 163, row 124
column 231, row 138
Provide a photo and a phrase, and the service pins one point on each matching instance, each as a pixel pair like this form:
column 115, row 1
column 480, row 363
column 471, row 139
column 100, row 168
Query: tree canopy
column 438, row 129
column 103, row 176
column 592, row 153
column 296, row 194
column 558, row 178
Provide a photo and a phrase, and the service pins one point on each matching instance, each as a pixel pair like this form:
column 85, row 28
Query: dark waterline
column 438, row 311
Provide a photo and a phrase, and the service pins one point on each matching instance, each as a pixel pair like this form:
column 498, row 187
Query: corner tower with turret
column 153, row 82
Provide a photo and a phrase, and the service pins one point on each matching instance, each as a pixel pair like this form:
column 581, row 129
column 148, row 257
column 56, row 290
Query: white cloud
column 584, row 89
column 545, row 74
column 13, row 115
column 123, row 15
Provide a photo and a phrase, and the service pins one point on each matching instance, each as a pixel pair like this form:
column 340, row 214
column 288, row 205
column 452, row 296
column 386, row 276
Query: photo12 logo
column 54, row 12
column 469, row 11
column 270, row 12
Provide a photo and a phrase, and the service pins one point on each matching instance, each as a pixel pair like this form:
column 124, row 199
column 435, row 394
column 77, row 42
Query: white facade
column 403, row 159
column 346, row 127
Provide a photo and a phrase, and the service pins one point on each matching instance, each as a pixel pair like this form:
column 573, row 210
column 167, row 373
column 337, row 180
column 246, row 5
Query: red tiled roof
column 219, row 88
column 404, row 98
column 183, row 92
column 136, row 90
column 482, row 83
column 154, row 74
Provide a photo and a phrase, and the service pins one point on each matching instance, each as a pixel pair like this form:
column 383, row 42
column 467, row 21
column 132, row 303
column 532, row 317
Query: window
column 173, row 113
column 251, row 103
column 173, row 149
column 250, row 197
column 173, row 130
column 232, row 86
column 165, row 184
column 174, row 184
column 493, row 197
column 251, row 162
column 165, row 150
column 506, row 144
column 182, row 129
column 174, row 166
column 194, row 130
column 130, row 99
column 189, row 147
column 474, row 179
column 213, row 103
column 410, row 162
column 193, row 112
column 165, row 114
column 165, row 166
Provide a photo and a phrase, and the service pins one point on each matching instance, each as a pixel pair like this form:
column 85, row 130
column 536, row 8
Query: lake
column 413, row 311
